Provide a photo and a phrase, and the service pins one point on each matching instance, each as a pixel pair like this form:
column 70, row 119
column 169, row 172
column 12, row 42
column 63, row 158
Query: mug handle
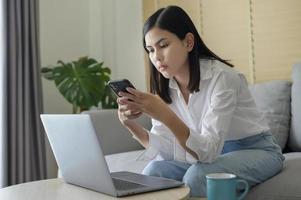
column 245, row 183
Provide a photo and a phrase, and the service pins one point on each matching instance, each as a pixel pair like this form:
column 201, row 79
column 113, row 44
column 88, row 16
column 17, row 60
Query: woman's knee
column 195, row 178
column 194, row 174
column 168, row 169
column 155, row 168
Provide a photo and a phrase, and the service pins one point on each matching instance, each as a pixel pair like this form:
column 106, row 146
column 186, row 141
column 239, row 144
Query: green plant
column 83, row 83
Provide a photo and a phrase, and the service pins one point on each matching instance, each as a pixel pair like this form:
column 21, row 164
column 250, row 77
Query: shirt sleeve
column 160, row 143
column 216, row 123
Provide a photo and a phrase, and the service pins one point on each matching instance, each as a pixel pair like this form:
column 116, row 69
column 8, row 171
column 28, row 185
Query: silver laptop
column 78, row 152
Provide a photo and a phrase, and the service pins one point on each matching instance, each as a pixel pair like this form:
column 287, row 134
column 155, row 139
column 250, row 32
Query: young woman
column 204, row 118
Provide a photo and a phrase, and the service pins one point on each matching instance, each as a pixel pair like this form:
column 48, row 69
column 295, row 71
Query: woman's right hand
column 126, row 115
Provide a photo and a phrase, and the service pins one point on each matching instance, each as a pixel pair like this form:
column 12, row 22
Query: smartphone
column 120, row 85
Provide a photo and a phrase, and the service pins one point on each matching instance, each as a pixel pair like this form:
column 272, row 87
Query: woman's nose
column 158, row 55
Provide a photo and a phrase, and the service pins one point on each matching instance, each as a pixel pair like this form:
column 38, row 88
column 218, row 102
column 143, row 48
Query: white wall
column 108, row 30
column 122, row 40
column 64, row 35
column 129, row 51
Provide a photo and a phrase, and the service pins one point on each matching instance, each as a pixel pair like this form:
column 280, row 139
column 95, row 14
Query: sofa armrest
column 113, row 136
column 294, row 143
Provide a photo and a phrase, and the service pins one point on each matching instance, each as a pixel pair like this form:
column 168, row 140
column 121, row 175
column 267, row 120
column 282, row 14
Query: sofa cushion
column 273, row 99
column 126, row 161
column 114, row 137
column 283, row 186
column 295, row 134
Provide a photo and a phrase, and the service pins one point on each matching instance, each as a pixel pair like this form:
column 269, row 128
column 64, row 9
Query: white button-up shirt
column 223, row 109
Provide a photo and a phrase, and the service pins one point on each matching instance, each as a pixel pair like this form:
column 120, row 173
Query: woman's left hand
column 148, row 103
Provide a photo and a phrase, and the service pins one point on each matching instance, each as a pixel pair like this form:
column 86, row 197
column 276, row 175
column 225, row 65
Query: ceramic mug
column 223, row 186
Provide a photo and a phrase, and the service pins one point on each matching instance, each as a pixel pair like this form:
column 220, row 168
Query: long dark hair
column 175, row 20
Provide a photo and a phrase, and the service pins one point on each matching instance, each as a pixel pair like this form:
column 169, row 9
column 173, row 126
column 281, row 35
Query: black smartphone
column 120, row 85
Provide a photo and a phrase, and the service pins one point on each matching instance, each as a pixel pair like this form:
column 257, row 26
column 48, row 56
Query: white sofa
column 279, row 100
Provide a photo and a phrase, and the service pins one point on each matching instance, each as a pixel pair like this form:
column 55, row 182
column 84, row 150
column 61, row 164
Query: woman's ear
column 189, row 41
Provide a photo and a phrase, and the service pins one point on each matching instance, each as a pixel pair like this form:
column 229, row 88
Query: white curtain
column 2, row 91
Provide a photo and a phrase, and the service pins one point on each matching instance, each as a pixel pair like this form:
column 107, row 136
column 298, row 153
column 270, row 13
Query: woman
column 204, row 118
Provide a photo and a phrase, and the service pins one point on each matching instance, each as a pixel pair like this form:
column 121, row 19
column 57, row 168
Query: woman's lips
column 162, row 67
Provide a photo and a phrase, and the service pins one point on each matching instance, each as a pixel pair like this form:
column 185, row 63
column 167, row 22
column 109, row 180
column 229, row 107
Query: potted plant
column 83, row 83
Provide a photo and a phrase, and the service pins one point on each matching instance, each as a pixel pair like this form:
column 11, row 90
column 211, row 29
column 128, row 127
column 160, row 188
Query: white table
column 56, row 189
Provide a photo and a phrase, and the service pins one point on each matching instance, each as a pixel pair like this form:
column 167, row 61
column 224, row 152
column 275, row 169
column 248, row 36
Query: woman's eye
column 163, row 45
column 150, row 50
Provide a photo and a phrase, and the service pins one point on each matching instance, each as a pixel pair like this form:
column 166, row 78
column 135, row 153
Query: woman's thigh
column 254, row 166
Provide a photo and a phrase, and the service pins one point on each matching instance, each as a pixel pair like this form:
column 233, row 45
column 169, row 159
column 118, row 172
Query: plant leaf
column 82, row 82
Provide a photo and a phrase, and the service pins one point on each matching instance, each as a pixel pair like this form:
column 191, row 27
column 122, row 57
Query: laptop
column 78, row 153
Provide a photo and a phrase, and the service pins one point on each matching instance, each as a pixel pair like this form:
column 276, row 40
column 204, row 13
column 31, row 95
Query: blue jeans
column 254, row 159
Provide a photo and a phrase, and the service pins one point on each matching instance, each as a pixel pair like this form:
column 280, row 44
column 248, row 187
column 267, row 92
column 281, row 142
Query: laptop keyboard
column 126, row 185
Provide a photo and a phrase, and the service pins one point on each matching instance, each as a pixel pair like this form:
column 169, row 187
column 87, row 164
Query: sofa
column 279, row 100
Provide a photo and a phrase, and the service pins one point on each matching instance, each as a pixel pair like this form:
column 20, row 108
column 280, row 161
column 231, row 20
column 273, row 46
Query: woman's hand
column 126, row 115
column 137, row 101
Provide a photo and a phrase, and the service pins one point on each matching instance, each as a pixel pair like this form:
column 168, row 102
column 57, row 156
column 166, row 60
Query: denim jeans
column 254, row 159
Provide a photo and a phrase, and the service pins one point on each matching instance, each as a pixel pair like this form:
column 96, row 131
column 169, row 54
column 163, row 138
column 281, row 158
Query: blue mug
column 223, row 186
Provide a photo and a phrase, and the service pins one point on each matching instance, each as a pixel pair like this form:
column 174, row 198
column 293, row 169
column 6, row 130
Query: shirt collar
column 205, row 72
column 206, row 68
column 173, row 84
